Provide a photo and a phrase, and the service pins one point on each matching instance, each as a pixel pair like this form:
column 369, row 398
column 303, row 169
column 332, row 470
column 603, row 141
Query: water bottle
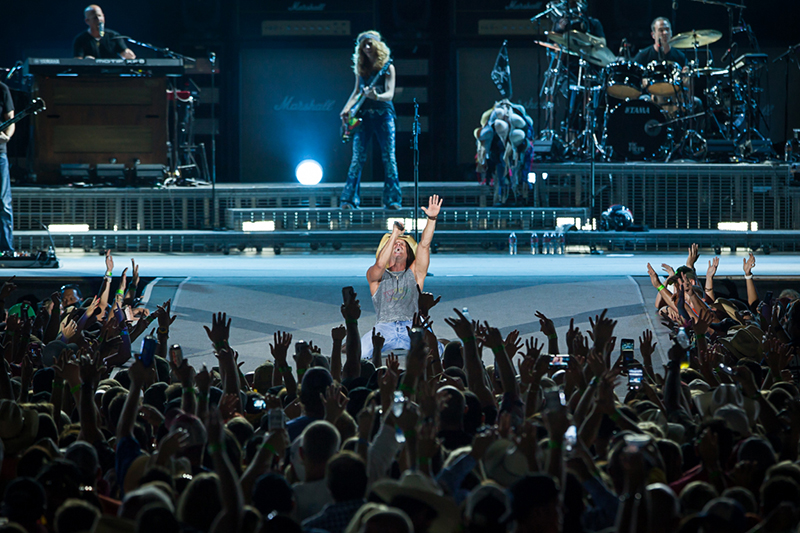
column 465, row 312
column 398, row 406
column 512, row 243
column 553, row 243
column 546, row 247
column 562, row 243
column 534, row 243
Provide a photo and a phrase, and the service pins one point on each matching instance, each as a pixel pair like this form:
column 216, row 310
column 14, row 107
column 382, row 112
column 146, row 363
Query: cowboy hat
column 726, row 394
column 745, row 342
column 18, row 426
column 419, row 487
column 504, row 463
column 408, row 239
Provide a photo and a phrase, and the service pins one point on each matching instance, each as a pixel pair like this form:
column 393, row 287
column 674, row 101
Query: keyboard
column 47, row 66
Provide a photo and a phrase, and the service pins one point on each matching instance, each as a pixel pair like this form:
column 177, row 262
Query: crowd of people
column 98, row 437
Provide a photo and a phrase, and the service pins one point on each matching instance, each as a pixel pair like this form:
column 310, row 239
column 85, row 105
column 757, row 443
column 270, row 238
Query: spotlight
column 308, row 172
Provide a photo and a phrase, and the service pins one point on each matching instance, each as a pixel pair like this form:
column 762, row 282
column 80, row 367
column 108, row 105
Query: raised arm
column 375, row 272
column 752, row 293
column 423, row 258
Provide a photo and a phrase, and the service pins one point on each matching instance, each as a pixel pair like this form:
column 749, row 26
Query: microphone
column 674, row 5
column 623, row 45
column 102, row 29
column 728, row 53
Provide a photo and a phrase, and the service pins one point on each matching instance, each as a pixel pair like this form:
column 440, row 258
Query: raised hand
column 303, row 355
column 184, row 372
column 393, row 363
column 165, row 320
column 334, row 401
column 434, row 205
column 109, row 261
column 653, row 276
column 532, row 348
column 135, row 274
column 647, row 346
column 282, row 340
column 91, row 368
column 694, row 253
column 602, row 329
column 668, row 269
column 461, row 326
column 339, row 333
column 513, row 344
column 426, row 301
column 351, row 309
column 748, row 264
column 7, row 288
column 220, row 329
column 546, row 325
column 712, row 267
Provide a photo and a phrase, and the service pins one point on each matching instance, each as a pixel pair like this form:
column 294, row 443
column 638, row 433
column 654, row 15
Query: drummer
column 578, row 19
column 661, row 31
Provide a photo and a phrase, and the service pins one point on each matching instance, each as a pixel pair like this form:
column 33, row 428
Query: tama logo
column 289, row 104
column 297, row 6
column 637, row 110
column 515, row 5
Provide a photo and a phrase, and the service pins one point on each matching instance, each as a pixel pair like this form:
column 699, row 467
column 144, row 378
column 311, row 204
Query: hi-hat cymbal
column 690, row 39
column 585, row 45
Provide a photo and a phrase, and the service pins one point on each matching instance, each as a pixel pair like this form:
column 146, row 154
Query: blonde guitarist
column 372, row 98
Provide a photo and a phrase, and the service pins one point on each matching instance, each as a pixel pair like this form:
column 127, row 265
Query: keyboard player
column 98, row 41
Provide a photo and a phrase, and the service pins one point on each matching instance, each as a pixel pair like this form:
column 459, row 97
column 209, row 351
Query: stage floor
column 301, row 292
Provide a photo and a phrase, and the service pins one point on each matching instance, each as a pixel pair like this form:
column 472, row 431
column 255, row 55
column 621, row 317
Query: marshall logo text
column 298, row 6
column 289, row 104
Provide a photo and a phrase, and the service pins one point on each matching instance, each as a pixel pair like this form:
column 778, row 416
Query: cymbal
column 690, row 39
column 585, row 45
column 706, row 71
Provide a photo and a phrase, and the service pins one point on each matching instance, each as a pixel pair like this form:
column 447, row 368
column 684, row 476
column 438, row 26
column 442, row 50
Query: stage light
column 568, row 221
column 754, row 226
column 531, row 177
column 259, row 225
column 68, row 228
column 407, row 223
column 308, row 172
column 733, row 226
column 544, row 175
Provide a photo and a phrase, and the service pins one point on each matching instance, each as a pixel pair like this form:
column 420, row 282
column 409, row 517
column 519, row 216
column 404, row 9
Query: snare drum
column 662, row 78
column 635, row 131
column 623, row 79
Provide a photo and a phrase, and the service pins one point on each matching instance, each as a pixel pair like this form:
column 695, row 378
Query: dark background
column 442, row 60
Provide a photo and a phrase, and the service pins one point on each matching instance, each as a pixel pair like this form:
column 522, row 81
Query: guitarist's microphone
column 102, row 29
column 16, row 67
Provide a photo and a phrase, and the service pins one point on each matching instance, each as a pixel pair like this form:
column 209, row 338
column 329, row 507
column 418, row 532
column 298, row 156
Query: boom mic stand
column 415, row 147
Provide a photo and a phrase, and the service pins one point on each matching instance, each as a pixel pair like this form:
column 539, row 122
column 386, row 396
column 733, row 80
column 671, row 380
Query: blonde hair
column 362, row 65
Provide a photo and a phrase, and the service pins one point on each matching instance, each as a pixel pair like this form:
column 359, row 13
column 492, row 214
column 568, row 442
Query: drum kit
column 623, row 110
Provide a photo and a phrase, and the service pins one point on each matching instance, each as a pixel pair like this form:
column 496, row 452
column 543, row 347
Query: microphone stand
column 415, row 147
column 212, row 57
column 787, row 56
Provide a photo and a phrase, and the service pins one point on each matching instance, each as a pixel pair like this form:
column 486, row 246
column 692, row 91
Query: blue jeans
column 395, row 337
column 7, row 214
column 382, row 126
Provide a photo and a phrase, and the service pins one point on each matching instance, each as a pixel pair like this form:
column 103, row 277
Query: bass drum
column 635, row 131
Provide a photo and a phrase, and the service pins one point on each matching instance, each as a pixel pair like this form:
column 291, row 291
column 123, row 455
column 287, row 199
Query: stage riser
column 679, row 196
column 445, row 240
column 466, row 219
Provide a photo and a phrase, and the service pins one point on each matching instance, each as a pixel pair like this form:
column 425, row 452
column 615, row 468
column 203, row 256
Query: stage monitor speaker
column 477, row 92
column 304, row 18
column 290, row 104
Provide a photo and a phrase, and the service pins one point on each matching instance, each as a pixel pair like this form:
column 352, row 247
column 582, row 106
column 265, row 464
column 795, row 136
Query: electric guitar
column 35, row 107
column 352, row 121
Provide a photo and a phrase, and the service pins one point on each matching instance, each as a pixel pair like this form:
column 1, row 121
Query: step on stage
column 680, row 203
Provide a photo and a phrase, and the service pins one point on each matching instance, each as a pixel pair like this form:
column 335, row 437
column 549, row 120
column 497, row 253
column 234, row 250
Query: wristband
column 214, row 448
column 108, row 274
column 270, row 448
column 423, row 461
column 465, row 340
column 284, row 369
column 748, row 276
column 75, row 389
column 189, row 390
column 615, row 416
column 433, row 218
column 553, row 336
column 162, row 331
column 120, row 292
column 410, row 433
column 660, row 288
column 709, row 289
column 150, row 318
column 57, row 385
column 497, row 349
column 406, row 388
column 351, row 321
column 553, row 445
column 301, row 371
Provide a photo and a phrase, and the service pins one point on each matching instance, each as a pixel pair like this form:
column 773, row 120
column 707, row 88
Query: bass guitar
column 35, row 107
column 352, row 121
